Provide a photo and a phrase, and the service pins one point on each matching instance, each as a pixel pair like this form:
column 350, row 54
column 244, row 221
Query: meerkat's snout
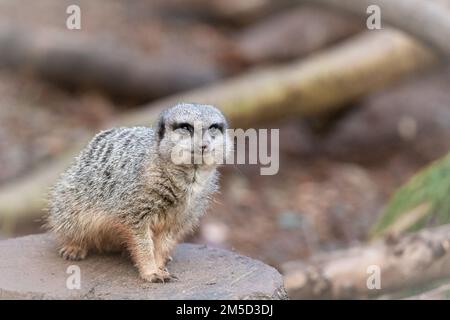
column 205, row 145
column 212, row 144
column 215, row 147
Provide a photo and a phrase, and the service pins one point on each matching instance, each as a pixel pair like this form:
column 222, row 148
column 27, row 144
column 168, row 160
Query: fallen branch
column 76, row 61
column 412, row 261
column 322, row 83
column 231, row 12
column 427, row 20
column 294, row 33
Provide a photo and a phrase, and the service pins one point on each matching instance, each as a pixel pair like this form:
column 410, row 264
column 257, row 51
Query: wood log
column 294, row 33
column 323, row 83
column 81, row 62
column 427, row 20
column 230, row 12
column 320, row 84
column 408, row 262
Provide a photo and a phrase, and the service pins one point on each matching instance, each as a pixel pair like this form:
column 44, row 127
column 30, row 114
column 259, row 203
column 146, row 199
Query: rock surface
column 30, row 268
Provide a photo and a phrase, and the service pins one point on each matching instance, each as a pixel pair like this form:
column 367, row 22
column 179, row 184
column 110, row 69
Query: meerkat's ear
column 161, row 128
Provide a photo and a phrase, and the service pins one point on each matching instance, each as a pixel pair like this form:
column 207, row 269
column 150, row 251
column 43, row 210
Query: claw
column 161, row 276
column 73, row 253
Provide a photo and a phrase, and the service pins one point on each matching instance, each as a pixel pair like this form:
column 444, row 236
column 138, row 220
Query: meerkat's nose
column 206, row 141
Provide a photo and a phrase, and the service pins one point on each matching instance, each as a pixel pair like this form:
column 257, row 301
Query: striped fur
column 122, row 193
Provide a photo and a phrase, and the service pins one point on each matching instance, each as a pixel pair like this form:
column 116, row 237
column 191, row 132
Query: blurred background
column 360, row 113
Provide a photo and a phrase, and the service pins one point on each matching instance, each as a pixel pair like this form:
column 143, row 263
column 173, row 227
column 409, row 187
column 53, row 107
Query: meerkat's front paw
column 160, row 276
column 72, row 252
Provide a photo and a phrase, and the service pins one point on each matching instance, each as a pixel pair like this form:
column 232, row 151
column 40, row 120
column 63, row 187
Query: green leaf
column 422, row 202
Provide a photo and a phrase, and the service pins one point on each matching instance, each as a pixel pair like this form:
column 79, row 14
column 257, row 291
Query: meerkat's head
column 193, row 134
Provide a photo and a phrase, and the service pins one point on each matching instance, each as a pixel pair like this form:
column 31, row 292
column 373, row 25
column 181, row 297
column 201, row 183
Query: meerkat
column 125, row 192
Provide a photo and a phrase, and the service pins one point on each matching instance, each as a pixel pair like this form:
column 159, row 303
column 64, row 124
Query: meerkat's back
column 109, row 166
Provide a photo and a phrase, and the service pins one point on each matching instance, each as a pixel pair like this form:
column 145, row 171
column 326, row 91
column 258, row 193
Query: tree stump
column 30, row 268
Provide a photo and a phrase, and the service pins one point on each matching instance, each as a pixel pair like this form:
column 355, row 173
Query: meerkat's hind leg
column 112, row 241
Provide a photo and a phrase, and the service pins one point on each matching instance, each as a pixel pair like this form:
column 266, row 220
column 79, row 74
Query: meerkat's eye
column 184, row 126
column 216, row 126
